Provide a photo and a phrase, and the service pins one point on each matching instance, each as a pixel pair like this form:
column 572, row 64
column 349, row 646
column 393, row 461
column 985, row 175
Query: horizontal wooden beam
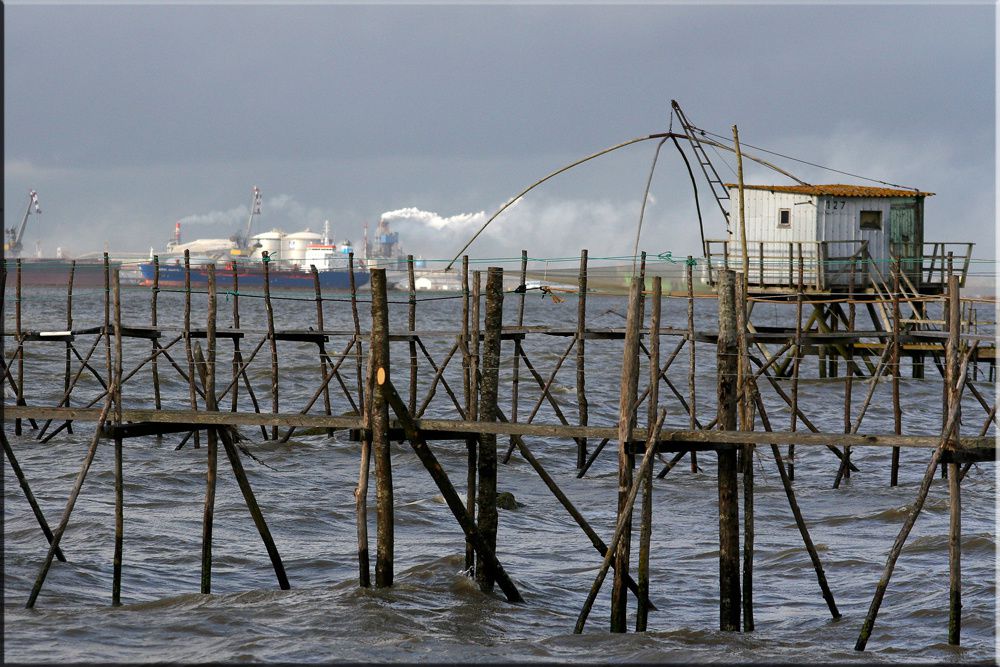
column 458, row 428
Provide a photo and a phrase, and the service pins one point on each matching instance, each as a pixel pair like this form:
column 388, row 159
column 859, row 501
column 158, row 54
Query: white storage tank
column 270, row 242
column 294, row 246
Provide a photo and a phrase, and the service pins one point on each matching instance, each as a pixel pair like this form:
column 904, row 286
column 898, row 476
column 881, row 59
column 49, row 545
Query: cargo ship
column 47, row 271
column 289, row 258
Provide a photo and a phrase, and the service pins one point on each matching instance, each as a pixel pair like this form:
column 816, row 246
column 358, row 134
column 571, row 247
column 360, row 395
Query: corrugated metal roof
column 836, row 190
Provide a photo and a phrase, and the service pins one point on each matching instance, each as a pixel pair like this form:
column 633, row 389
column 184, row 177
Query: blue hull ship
column 251, row 276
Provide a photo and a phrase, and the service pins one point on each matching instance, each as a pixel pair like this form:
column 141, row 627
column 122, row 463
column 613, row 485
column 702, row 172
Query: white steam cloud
column 433, row 220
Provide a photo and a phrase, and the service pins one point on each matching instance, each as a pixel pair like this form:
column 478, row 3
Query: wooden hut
column 829, row 229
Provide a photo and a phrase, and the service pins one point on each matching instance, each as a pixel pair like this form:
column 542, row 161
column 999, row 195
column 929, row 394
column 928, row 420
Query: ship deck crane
column 244, row 243
column 14, row 235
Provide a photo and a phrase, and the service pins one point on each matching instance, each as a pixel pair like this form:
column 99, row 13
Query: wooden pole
column 18, row 334
column 472, row 412
column 954, row 478
column 897, row 413
column 361, row 491
column 69, row 327
column 192, row 393
column 467, row 389
column 116, row 382
column 692, row 405
column 451, row 497
column 581, row 359
column 516, row 371
column 626, row 422
column 154, row 323
column 646, row 516
column 23, row 481
column 746, row 422
column 237, row 354
column 70, row 503
column 729, row 528
column 621, row 527
column 212, row 458
column 849, row 385
column 272, row 340
column 378, row 358
column 796, row 364
column 411, row 323
column 487, row 518
column 318, row 292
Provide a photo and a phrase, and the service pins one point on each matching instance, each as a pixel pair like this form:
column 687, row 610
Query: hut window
column 784, row 217
column 871, row 220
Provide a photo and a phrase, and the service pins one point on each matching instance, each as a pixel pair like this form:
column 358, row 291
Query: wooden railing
column 777, row 263
column 934, row 270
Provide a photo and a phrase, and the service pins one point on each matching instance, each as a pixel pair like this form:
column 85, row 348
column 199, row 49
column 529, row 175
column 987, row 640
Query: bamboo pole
column 487, row 518
column 646, row 520
column 626, row 422
column 729, row 529
column 378, row 359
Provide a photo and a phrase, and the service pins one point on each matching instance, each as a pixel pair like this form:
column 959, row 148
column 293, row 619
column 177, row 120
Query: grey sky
column 126, row 119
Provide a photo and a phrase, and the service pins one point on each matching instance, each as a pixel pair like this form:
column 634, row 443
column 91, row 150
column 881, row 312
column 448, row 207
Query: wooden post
column 154, row 323
column 581, row 358
column 954, row 478
column 115, row 381
column 796, row 364
column 69, row 327
column 516, row 372
column 192, row 393
column 849, row 367
column 646, row 519
column 487, row 519
column 20, row 342
column 467, row 387
column 692, row 405
column 411, row 323
column 212, row 457
column 378, row 358
column 361, row 491
column 729, row 528
column 626, row 422
column 746, row 422
column 472, row 411
column 324, row 377
column 897, row 413
column 272, row 340
column 237, row 355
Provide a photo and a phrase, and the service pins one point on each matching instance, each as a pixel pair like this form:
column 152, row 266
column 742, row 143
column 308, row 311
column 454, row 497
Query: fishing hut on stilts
column 827, row 248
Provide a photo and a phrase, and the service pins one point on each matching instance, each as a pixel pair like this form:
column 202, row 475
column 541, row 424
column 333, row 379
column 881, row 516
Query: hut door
column 904, row 241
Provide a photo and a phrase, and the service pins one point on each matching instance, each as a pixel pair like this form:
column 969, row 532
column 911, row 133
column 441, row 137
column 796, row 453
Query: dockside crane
column 244, row 243
column 14, row 234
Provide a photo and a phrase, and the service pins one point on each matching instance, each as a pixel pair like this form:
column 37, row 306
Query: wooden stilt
column 411, row 323
column 212, row 456
column 581, row 358
column 487, row 518
column 693, row 406
column 69, row 327
column 897, row 413
column 646, row 520
column 192, row 393
column 269, row 309
column 729, row 529
column 379, row 424
column 116, row 382
column 626, row 422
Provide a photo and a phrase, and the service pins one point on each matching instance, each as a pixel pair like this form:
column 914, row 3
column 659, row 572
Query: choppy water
column 434, row 612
